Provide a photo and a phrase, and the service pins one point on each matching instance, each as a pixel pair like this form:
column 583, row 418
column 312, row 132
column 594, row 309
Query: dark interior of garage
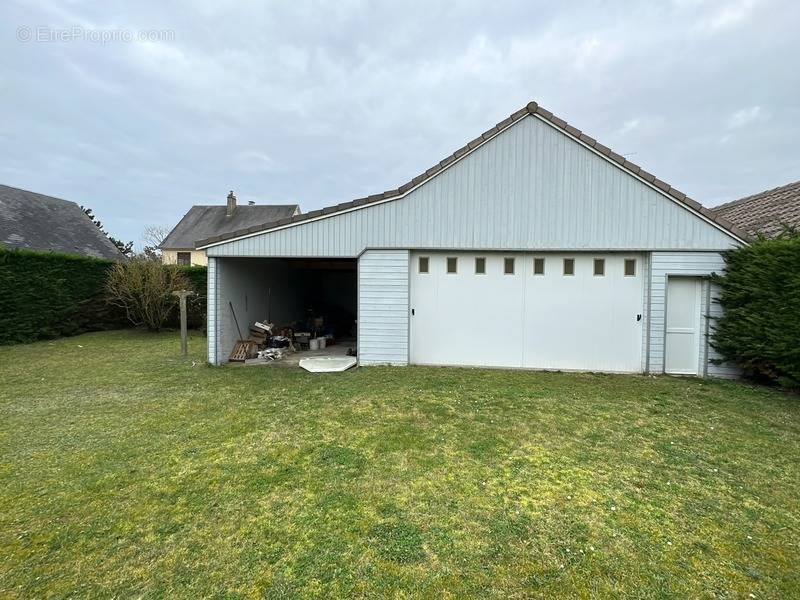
column 314, row 295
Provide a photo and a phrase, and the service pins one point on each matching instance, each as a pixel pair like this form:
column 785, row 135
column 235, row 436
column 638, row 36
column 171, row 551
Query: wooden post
column 182, row 294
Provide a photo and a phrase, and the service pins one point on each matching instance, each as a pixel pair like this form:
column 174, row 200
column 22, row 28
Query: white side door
column 682, row 334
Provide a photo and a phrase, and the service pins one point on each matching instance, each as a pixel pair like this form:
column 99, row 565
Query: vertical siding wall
column 698, row 264
column 383, row 307
column 212, row 306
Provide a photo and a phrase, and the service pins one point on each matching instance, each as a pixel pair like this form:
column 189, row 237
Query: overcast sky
column 322, row 102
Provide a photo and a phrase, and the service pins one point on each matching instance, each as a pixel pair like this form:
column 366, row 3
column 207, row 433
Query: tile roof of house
column 765, row 213
column 532, row 108
column 206, row 221
column 39, row 222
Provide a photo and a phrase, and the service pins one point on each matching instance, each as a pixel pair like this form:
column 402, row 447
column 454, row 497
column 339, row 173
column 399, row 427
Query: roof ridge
column 533, row 109
column 241, row 205
column 11, row 187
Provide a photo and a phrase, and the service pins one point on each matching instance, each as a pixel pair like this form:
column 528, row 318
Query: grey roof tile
column 202, row 222
column 38, row 222
column 765, row 213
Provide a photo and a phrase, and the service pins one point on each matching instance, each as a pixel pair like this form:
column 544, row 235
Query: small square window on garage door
column 538, row 266
column 480, row 265
column 630, row 267
column 452, row 264
column 424, row 263
column 508, row 265
column 599, row 267
column 569, row 266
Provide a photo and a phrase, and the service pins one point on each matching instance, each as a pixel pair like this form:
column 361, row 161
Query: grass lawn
column 126, row 471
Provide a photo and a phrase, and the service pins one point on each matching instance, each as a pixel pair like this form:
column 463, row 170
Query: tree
column 144, row 289
column 125, row 248
column 153, row 236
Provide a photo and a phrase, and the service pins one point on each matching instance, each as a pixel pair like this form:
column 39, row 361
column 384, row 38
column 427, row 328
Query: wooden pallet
column 242, row 350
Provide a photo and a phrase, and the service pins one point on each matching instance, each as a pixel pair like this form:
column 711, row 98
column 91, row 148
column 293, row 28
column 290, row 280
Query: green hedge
column 760, row 330
column 47, row 294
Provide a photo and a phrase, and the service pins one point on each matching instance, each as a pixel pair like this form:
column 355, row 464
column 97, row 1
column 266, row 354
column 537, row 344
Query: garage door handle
column 412, row 312
column 638, row 317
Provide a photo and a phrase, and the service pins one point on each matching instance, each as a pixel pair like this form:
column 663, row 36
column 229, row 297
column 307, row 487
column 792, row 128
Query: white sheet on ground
column 328, row 364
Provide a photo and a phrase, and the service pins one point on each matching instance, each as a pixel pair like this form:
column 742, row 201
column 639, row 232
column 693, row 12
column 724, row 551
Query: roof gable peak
column 532, row 109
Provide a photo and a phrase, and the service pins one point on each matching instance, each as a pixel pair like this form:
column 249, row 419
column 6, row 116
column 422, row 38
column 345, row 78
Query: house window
column 538, row 266
column 508, row 266
column 630, row 267
column 184, row 259
column 424, row 262
column 569, row 266
column 599, row 267
column 452, row 264
column 480, row 266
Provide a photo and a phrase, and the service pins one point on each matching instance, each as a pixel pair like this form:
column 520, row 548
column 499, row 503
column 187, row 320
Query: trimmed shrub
column 144, row 289
column 48, row 294
column 760, row 293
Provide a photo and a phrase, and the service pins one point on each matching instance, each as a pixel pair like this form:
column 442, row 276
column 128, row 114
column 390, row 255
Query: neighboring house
column 205, row 221
column 532, row 246
column 38, row 222
column 766, row 214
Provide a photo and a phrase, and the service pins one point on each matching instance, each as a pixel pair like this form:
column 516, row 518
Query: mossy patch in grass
column 339, row 460
column 398, row 541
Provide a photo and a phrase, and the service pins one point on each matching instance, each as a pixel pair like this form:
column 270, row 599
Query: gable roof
column 206, row 221
column 765, row 213
column 531, row 109
column 38, row 222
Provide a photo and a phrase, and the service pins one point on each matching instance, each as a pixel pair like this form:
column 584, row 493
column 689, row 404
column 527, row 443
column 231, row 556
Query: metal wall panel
column 700, row 264
column 530, row 188
column 383, row 307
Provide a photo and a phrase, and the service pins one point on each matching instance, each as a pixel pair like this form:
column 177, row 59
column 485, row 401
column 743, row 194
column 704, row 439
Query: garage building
column 533, row 246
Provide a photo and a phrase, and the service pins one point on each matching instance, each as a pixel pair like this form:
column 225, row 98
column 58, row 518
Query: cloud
column 629, row 126
column 727, row 14
column 746, row 116
column 254, row 161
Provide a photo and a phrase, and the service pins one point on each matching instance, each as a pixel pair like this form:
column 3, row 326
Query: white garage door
column 547, row 311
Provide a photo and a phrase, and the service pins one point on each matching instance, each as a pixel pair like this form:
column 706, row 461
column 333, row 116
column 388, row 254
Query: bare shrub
column 144, row 289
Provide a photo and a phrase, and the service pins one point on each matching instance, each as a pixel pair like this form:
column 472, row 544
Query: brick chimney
column 231, row 204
